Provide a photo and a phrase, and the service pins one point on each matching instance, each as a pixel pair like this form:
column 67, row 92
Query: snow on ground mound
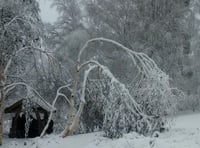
column 185, row 133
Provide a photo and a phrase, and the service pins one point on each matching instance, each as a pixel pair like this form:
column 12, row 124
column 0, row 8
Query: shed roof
column 34, row 98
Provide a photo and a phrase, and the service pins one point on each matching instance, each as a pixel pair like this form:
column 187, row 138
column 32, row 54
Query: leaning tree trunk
column 1, row 103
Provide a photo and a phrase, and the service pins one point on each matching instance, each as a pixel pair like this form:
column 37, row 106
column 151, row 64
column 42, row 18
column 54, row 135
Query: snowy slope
column 185, row 133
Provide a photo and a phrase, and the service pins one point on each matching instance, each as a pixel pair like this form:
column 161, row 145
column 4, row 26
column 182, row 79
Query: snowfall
column 184, row 133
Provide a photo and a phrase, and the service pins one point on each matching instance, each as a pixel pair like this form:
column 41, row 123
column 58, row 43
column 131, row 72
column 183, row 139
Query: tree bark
column 76, row 120
column 1, row 102
column 68, row 131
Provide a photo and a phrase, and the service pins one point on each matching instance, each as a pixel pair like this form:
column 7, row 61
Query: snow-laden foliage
column 156, row 98
column 111, row 107
column 121, row 114
column 141, row 108
column 97, row 91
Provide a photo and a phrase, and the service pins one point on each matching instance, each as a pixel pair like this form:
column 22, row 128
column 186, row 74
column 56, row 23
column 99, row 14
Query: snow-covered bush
column 122, row 114
column 107, row 110
column 156, row 97
column 111, row 107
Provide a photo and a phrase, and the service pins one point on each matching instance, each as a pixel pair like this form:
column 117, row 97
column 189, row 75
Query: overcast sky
column 47, row 13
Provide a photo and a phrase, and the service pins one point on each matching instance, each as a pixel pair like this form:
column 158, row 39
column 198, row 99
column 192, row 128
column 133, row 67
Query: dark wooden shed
column 40, row 109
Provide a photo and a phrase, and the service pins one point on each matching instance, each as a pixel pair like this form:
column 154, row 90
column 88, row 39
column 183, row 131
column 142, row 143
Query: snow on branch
column 58, row 94
column 108, row 73
column 142, row 61
column 32, row 48
column 31, row 92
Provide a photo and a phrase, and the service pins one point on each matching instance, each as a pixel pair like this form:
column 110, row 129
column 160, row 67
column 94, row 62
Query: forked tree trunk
column 1, row 103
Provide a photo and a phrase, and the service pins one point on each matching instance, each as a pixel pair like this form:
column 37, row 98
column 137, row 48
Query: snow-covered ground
column 185, row 133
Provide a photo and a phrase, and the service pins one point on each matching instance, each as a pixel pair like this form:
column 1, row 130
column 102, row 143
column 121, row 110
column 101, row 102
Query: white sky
column 48, row 14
